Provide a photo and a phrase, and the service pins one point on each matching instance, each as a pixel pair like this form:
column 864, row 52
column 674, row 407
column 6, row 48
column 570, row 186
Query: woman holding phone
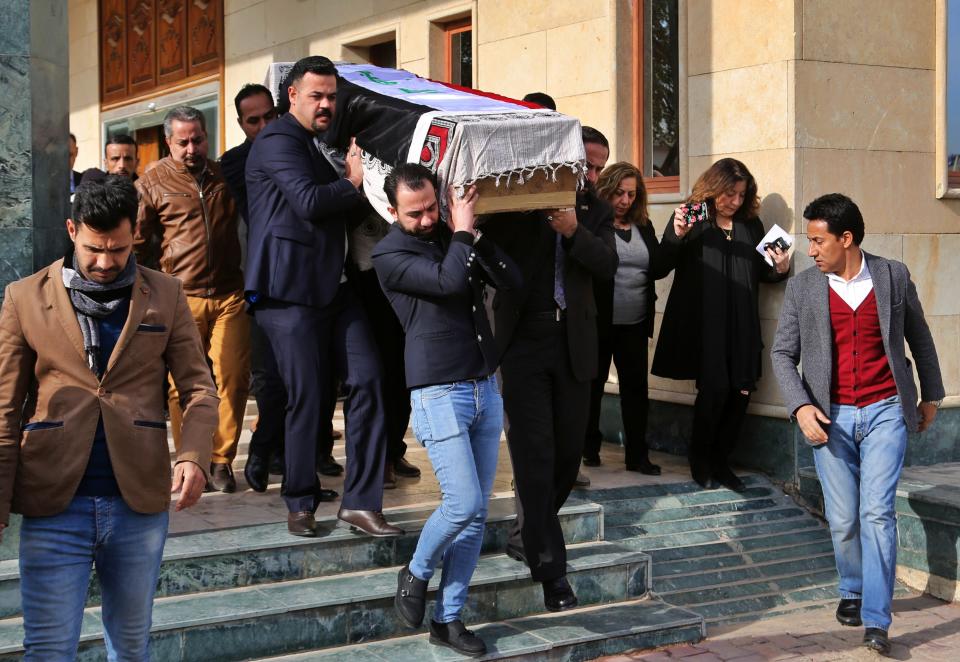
column 625, row 317
column 711, row 324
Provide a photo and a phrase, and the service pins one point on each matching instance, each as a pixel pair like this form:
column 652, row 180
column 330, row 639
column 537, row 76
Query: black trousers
column 303, row 340
column 271, row 396
column 547, row 411
column 627, row 345
column 718, row 415
column 388, row 334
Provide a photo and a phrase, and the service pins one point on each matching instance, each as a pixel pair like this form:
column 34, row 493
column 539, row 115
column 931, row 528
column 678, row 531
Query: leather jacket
column 189, row 230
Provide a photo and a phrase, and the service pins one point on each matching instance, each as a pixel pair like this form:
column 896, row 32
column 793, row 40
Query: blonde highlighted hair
column 610, row 180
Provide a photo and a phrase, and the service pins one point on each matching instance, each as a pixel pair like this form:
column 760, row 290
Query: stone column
column 34, row 103
column 34, row 184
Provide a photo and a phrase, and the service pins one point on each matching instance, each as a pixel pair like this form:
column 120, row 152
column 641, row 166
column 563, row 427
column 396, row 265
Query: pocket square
column 152, row 328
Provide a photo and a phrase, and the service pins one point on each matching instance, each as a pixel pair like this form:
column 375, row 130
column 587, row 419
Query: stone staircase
column 256, row 592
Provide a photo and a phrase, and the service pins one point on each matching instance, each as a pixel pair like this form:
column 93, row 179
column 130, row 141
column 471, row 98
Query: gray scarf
column 94, row 301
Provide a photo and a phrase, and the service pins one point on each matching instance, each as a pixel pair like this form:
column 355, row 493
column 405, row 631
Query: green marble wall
column 34, row 172
column 34, row 111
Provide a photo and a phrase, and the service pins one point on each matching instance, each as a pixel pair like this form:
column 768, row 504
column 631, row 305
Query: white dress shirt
column 855, row 290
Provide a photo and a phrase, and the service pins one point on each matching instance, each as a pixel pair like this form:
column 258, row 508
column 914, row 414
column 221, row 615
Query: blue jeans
column 56, row 555
column 858, row 468
column 460, row 426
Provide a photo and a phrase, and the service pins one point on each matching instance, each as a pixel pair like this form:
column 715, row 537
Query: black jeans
column 718, row 415
column 627, row 345
column 547, row 410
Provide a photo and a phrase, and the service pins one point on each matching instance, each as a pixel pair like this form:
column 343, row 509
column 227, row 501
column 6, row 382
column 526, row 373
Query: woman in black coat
column 625, row 317
column 711, row 325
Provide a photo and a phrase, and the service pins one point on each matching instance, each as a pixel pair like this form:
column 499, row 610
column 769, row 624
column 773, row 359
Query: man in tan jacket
column 84, row 345
column 186, row 209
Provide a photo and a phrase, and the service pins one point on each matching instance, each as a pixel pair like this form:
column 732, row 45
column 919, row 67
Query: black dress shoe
column 323, row 494
column 645, row 467
column 256, row 471
column 876, row 640
column 221, row 478
column 404, row 469
column 454, row 635
column 591, row 461
column 329, row 467
column 516, row 553
column 302, row 524
column 558, row 596
column 708, row 483
column 371, row 522
column 729, row 480
column 411, row 599
column 582, row 480
column 848, row 611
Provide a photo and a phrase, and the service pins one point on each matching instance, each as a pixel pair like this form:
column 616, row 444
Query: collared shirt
column 855, row 290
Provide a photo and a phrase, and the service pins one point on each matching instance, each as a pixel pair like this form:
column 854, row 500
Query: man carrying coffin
column 547, row 334
column 434, row 274
column 300, row 296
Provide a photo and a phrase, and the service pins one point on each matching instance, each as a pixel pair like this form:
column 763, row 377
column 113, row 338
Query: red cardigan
column 861, row 372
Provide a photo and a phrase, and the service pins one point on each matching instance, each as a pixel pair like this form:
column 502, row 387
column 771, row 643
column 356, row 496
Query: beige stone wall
column 84, row 82
column 563, row 48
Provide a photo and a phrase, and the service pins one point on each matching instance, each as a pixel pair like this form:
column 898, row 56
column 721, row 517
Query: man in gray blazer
column 856, row 400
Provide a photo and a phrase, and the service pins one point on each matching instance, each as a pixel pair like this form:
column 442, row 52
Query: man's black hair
column 312, row 64
column 591, row 135
column 73, row 138
column 250, row 90
column 120, row 139
column 839, row 212
column 104, row 205
column 412, row 175
column 541, row 99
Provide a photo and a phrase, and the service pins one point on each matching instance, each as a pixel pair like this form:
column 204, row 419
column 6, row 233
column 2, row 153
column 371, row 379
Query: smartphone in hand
column 695, row 213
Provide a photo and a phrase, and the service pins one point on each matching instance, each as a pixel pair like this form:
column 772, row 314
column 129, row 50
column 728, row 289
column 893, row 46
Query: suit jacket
column 591, row 253
column 804, row 331
column 51, row 402
column 436, row 289
column 298, row 207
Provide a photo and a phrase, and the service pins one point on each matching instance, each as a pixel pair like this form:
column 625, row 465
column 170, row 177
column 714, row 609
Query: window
column 657, row 94
column 458, row 38
column 384, row 54
column 953, row 94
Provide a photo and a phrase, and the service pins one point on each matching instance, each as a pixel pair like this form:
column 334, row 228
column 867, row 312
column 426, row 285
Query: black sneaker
column 454, row 635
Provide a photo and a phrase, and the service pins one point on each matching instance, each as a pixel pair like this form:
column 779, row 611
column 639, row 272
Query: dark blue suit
column 298, row 215
column 436, row 289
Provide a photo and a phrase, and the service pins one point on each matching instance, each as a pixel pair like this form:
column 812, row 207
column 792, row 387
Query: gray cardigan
column 804, row 329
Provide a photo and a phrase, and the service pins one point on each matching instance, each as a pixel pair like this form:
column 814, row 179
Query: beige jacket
column 50, row 401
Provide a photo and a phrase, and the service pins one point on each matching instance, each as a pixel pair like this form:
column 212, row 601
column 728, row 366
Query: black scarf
column 94, row 301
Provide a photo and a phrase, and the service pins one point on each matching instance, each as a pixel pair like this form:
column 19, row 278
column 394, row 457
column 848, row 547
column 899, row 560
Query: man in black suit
column 72, row 151
column 548, row 335
column 297, row 287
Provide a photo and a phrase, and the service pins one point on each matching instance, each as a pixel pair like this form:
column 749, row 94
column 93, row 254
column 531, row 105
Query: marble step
column 581, row 634
column 284, row 617
column 263, row 553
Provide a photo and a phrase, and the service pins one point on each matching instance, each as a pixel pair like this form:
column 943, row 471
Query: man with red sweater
column 856, row 400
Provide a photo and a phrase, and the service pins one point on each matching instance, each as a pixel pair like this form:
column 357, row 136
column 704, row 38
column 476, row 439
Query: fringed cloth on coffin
column 463, row 135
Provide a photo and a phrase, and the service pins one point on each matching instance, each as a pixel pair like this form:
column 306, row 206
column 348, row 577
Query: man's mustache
column 324, row 113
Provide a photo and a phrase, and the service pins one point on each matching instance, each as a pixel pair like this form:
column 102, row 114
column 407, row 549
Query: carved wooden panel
column 171, row 40
column 113, row 49
column 205, row 28
column 147, row 46
column 141, row 71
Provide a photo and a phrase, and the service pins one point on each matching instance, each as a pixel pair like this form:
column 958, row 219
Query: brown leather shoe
column 371, row 522
column 389, row 478
column 302, row 524
column 221, row 478
column 404, row 469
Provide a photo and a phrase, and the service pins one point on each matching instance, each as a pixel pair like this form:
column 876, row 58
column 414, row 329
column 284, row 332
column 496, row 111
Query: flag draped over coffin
column 463, row 135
